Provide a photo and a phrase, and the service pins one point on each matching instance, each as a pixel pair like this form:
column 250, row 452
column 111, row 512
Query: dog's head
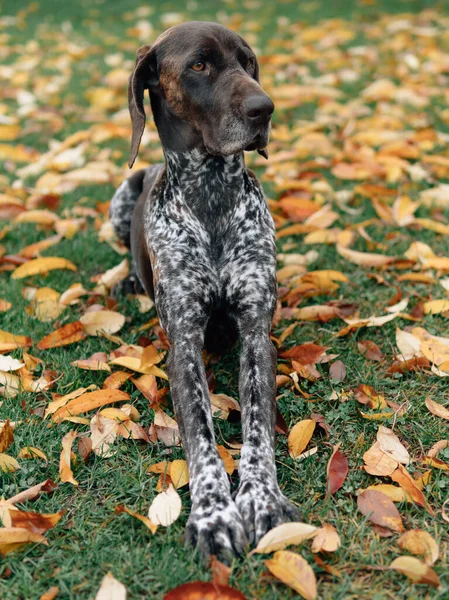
column 207, row 77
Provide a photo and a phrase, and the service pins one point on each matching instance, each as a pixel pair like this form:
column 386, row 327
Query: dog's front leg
column 214, row 525
column 259, row 499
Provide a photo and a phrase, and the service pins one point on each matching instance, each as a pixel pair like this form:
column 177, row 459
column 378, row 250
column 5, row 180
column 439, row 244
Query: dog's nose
column 258, row 107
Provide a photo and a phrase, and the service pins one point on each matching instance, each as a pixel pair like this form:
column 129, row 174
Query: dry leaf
column 294, row 571
column 200, row 590
column 45, row 487
column 65, row 470
column 326, row 539
column 145, row 520
column 68, row 334
column 13, row 538
column 379, row 509
column 377, row 462
column 165, row 508
column 36, row 522
column 42, row 265
column 300, row 436
column 111, row 589
column 437, row 409
column 389, row 444
column 88, row 401
column 417, row 541
column 284, row 535
column 337, row 470
column 106, row 321
column 415, row 570
column 6, row 436
column 8, row 464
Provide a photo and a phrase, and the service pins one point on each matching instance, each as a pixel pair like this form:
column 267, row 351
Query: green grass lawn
column 60, row 52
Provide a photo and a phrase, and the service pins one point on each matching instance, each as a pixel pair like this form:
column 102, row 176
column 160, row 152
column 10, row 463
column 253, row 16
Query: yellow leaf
column 12, row 538
column 8, row 464
column 415, row 570
column 364, row 259
column 42, row 265
column 294, row 571
column 300, row 436
column 65, row 470
column 417, row 541
column 435, row 307
column 31, row 452
column 284, row 535
column 145, row 520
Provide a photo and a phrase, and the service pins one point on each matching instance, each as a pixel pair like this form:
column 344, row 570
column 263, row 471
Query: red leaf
column 306, row 354
column 337, row 470
column 199, row 590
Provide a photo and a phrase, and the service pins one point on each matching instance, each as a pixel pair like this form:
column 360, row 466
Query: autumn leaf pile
column 358, row 185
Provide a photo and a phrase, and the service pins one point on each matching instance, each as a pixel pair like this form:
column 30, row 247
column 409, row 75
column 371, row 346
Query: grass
column 90, row 539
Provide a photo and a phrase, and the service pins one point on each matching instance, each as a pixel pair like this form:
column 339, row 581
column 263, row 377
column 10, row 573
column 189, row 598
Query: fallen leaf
column 370, row 350
column 284, row 535
column 378, row 463
column 11, row 341
column 111, row 589
column 50, row 594
column 364, row 259
column 417, row 541
column 300, row 436
column 389, row 444
column 165, row 508
column 8, row 464
column 88, row 401
column 6, row 436
column 46, row 487
column 107, row 321
column 42, row 265
column 13, row 538
column 35, row 522
column 406, row 481
column 31, row 452
column 200, row 590
column 379, row 509
column 326, row 539
column 68, row 334
column 415, row 570
column 337, row 470
column 65, row 470
column 437, row 409
column 294, row 571
column 145, row 520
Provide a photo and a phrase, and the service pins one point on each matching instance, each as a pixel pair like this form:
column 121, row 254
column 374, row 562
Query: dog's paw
column 220, row 532
column 263, row 506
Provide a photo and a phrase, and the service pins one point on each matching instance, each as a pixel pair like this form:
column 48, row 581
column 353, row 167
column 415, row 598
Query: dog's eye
column 198, row 66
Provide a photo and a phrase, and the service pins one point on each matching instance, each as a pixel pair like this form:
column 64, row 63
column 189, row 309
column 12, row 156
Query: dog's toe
column 263, row 506
column 221, row 533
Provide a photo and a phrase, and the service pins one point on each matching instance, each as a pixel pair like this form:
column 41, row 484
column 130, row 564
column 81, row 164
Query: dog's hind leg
column 123, row 203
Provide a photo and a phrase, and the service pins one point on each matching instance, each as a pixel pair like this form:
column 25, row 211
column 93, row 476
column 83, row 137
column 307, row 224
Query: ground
column 334, row 139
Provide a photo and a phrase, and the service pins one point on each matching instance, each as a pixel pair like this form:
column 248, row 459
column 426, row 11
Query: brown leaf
column 35, row 522
column 337, row 470
column 379, row 509
column 6, row 436
column 50, row 594
column 305, row 354
column 337, row 371
column 220, row 572
column 68, row 334
column 370, row 350
column 200, row 590
column 89, row 401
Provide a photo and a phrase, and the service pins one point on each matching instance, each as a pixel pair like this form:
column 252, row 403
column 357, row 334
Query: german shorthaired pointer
column 202, row 241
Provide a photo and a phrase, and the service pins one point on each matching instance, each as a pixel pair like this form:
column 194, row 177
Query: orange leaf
column 88, row 401
column 379, row 509
column 68, row 334
column 200, row 590
column 65, row 470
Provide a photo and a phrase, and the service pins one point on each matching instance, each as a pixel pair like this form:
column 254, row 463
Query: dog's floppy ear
column 142, row 78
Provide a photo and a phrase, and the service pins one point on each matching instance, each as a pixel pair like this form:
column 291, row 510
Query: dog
column 203, row 247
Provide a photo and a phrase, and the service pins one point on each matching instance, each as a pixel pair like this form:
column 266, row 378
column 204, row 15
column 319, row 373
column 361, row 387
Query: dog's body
column 202, row 241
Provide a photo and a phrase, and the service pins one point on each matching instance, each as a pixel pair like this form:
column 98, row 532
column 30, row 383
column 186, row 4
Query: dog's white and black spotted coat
column 210, row 238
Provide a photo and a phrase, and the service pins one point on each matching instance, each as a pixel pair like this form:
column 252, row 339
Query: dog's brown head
column 204, row 88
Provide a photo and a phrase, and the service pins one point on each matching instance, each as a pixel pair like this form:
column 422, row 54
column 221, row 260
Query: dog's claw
column 263, row 507
column 263, row 152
